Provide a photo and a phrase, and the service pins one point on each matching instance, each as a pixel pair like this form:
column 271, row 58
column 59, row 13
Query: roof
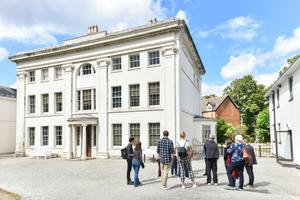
column 292, row 68
column 103, row 39
column 215, row 102
column 8, row 92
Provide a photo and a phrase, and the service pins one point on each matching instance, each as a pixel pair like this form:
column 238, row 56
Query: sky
column 233, row 37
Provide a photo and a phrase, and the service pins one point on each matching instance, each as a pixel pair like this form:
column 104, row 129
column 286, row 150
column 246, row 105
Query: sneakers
column 195, row 185
column 230, row 188
column 183, row 187
column 239, row 189
column 208, row 183
column 164, row 188
column 130, row 182
column 216, row 184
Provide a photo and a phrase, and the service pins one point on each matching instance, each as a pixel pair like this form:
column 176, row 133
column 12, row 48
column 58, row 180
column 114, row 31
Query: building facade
column 221, row 108
column 87, row 96
column 284, row 102
column 8, row 109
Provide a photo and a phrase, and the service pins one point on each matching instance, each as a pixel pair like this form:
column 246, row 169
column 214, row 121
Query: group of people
column 236, row 156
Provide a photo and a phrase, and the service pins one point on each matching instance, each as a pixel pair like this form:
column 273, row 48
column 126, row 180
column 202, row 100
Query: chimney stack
column 93, row 29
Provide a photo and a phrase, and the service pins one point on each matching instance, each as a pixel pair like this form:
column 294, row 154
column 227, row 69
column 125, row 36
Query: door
column 89, row 141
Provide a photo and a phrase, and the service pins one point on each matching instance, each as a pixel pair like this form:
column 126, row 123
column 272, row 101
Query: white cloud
column 266, row 79
column 238, row 28
column 38, row 21
column 239, row 66
column 285, row 45
column 209, row 88
column 182, row 15
column 3, row 54
column 14, row 85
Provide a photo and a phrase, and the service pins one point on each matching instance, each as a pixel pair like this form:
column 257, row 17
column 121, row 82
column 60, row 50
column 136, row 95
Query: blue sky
column 233, row 37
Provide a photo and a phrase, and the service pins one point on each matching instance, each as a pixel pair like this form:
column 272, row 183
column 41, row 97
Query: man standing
column 129, row 159
column 212, row 155
column 249, row 165
column 165, row 149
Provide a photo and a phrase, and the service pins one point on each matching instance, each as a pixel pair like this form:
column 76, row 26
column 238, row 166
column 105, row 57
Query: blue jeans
column 136, row 164
column 239, row 165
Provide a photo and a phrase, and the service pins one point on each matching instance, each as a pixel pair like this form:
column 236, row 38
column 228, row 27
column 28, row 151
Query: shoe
column 195, row 185
column 249, row 186
column 205, row 174
column 164, row 188
column 216, row 184
column 183, row 187
column 229, row 188
column 239, row 189
column 130, row 182
column 208, row 183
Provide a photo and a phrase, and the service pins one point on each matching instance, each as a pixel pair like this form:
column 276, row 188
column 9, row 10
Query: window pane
column 205, row 133
column 135, row 131
column 58, row 73
column 58, row 135
column 153, row 58
column 78, row 136
column 31, row 136
column 87, row 69
column 45, row 135
column 31, row 104
column 134, row 95
column 78, row 100
column 45, row 101
column 154, row 97
column 116, row 97
column 45, row 74
column 117, row 134
column 87, row 99
column 58, row 100
column 95, row 136
column 116, row 63
column 31, row 76
column 134, row 61
column 154, row 133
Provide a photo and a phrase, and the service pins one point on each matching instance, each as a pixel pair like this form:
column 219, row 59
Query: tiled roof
column 215, row 102
column 8, row 92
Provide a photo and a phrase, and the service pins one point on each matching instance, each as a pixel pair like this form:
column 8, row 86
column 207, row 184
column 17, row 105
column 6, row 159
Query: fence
column 261, row 149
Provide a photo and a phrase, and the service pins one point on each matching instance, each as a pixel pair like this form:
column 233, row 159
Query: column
column 102, row 91
column 21, row 106
column 83, row 155
column 69, row 142
column 74, row 141
column 67, row 107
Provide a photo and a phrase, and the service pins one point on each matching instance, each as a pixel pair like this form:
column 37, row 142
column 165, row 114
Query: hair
column 212, row 136
column 166, row 133
column 182, row 134
column 238, row 139
column 131, row 139
column 138, row 146
column 228, row 142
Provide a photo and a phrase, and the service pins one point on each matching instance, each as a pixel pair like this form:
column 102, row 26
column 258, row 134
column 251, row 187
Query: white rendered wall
column 7, row 125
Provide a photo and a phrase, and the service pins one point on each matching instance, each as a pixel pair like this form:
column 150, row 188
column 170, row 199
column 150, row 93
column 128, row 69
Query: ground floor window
column 134, row 130
column 154, row 133
column 205, row 133
column 117, row 134
column 31, row 131
column 58, row 135
column 45, row 135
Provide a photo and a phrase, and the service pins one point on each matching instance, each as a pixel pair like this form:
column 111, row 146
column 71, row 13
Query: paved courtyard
column 55, row 179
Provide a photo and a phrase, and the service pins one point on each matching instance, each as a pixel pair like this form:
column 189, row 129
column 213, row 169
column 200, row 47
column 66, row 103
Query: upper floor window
column 31, row 77
column 86, row 99
column 117, row 97
column 116, row 63
column 154, row 94
column 58, row 102
column 134, row 92
column 31, row 104
column 291, row 88
column 57, row 73
column 86, row 69
column 277, row 93
column 45, row 75
column 134, row 61
column 153, row 58
column 45, row 103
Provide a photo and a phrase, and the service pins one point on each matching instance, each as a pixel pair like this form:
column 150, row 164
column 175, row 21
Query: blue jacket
column 237, row 152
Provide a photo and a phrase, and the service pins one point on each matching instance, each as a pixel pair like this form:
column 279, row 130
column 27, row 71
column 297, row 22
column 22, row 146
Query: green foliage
column 209, row 96
column 249, row 96
column 224, row 131
column 290, row 61
column 263, row 126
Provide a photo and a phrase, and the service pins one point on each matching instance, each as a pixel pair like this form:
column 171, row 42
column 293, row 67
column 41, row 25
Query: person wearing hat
column 237, row 163
column 212, row 155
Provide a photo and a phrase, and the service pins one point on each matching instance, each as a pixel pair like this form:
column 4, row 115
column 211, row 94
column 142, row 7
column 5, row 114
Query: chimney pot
column 93, row 29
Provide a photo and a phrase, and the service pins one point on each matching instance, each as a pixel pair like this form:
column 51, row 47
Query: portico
column 82, row 137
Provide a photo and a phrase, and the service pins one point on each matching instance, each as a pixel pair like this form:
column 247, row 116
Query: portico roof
column 83, row 120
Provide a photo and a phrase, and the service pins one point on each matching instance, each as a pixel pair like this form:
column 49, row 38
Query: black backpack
column 124, row 154
column 182, row 152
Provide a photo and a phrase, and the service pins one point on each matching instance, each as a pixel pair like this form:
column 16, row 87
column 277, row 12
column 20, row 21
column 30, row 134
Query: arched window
column 86, row 69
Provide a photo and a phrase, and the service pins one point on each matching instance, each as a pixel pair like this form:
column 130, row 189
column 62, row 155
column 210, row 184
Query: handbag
column 142, row 164
column 246, row 155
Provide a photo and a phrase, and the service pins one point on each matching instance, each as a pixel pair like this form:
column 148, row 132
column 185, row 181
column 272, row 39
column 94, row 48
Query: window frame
column 45, row 105
column 31, row 76
column 205, row 132
column 291, row 91
column 56, row 102
column 56, row 77
column 134, row 100
column 116, row 97
column 44, row 75
column 87, row 103
column 30, row 137
column 135, row 131
column 119, row 134
column 152, row 140
column 151, row 97
column 118, row 65
column 31, row 107
column 277, row 97
column 58, row 138
column 45, row 138
column 134, row 63
column 157, row 58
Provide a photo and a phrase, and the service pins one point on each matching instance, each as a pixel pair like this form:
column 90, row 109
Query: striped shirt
column 165, row 149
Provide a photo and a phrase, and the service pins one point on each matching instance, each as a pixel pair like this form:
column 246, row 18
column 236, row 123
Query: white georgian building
column 8, row 108
column 284, row 104
column 85, row 97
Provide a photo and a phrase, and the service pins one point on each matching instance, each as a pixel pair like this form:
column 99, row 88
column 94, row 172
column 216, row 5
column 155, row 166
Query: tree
column 209, row 96
column 249, row 96
column 263, row 126
column 290, row 61
column 224, row 131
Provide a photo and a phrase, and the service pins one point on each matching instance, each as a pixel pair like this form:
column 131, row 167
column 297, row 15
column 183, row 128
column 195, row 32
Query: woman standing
column 185, row 153
column 136, row 162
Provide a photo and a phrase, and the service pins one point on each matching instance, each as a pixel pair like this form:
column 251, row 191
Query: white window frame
column 116, row 66
column 135, row 131
column 31, row 76
column 45, row 103
column 56, row 102
column 80, row 98
column 30, row 129
column 206, row 131
column 153, row 60
column 151, row 96
column 120, row 134
column 134, row 100
column 46, row 137
column 134, row 61
column 116, row 97
column 153, row 143
column 57, row 74
column 31, row 107
column 44, row 75
column 56, row 131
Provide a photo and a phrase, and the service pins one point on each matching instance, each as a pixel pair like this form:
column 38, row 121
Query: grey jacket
column 253, row 160
column 211, row 149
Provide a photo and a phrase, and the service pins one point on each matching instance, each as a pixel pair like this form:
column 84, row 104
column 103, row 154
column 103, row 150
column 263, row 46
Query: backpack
column 182, row 152
column 124, row 154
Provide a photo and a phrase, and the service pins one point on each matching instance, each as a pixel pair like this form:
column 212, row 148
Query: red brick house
column 221, row 108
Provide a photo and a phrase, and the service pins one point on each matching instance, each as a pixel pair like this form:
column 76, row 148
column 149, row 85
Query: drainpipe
column 274, row 121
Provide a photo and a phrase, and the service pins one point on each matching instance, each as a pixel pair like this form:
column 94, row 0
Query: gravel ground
column 55, row 179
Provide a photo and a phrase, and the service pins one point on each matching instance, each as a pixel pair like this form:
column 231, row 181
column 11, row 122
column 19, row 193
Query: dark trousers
column 129, row 166
column 159, row 170
column 228, row 175
column 249, row 169
column 186, row 171
column 239, row 166
column 205, row 171
column 211, row 166
column 174, row 167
